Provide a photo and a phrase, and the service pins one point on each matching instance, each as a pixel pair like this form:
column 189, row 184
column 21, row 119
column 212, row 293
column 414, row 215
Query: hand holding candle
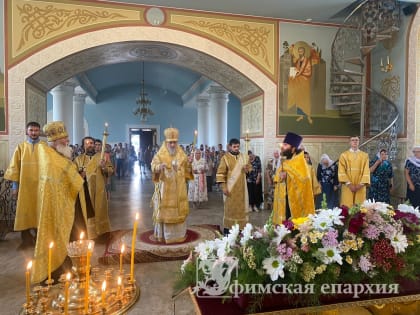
column 49, row 261
column 28, row 283
column 105, row 135
column 133, row 247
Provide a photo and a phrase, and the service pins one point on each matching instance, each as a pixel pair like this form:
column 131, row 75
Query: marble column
column 63, row 105
column 79, row 101
column 203, row 120
column 219, row 98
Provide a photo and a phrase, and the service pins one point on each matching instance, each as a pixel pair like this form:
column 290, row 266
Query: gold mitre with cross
column 55, row 130
column 171, row 134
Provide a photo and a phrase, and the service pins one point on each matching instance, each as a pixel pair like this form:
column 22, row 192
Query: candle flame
column 29, row 265
column 51, row 244
column 119, row 280
column 90, row 246
column 195, row 132
column 68, row 276
column 122, row 248
column 104, row 286
column 137, row 216
column 106, row 125
column 82, row 235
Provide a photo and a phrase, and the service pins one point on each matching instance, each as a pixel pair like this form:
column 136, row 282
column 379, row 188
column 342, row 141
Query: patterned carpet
column 147, row 249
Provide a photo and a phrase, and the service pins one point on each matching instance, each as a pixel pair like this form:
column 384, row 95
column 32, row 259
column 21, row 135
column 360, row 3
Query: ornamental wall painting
column 303, row 93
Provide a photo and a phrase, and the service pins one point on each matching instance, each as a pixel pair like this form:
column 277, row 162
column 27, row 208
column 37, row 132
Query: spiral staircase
column 369, row 23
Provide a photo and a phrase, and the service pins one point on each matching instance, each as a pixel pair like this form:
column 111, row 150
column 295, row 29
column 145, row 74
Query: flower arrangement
column 369, row 243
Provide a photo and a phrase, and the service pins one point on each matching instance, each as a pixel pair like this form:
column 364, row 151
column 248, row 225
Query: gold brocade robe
column 96, row 179
column 353, row 168
column 170, row 199
column 58, row 187
column 23, row 169
column 297, row 188
column 316, row 187
column 236, row 204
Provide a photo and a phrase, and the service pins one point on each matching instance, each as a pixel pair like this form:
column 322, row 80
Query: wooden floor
column 132, row 194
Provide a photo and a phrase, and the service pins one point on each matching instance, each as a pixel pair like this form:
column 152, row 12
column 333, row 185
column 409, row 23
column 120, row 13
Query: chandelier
column 143, row 102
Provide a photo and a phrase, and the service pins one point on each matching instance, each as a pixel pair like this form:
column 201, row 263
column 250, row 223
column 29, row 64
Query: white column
column 63, row 105
column 79, row 101
column 219, row 98
column 203, row 120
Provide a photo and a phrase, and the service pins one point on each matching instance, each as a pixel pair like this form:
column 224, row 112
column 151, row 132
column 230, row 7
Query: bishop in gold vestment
column 171, row 169
column 231, row 176
column 293, row 183
column 354, row 174
column 95, row 173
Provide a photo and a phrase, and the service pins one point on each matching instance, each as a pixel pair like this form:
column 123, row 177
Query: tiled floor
column 156, row 280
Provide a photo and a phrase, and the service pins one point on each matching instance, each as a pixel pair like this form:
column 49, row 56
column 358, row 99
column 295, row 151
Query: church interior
column 215, row 70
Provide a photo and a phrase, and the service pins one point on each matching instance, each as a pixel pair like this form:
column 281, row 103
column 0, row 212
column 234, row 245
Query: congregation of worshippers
column 79, row 180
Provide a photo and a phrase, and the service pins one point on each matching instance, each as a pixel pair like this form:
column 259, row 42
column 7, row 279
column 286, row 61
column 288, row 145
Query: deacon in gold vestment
column 23, row 172
column 293, row 196
column 62, row 214
column 95, row 172
column 354, row 174
column 171, row 169
column 231, row 176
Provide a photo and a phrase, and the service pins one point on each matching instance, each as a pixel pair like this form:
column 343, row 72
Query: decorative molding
column 252, row 118
column 255, row 40
column 390, row 87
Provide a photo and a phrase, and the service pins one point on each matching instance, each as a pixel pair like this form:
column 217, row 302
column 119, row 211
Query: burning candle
column 88, row 254
column 49, row 261
column 195, row 138
column 81, row 237
column 103, row 293
column 28, row 282
column 119, row 287
column 246, row 141
column 66, row 293
column 105, row 135
column 382, row 63
column 121, row 257
column 387, row 60
column 133, row 247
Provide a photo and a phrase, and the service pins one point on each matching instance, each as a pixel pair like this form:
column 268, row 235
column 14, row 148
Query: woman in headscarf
column 328, row 178
column 381, row 177
column 412, row 175
column 197, row 188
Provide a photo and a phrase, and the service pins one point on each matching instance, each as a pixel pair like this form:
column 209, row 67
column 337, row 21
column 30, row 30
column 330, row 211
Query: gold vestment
column 96, row 179
column 24, row 169
column 353, row 168
column 297, row 188
column 170, row 199
column 236, row 204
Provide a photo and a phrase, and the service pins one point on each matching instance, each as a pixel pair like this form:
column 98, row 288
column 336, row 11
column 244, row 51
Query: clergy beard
column 287, row 153
column 64, row 150
column 172, row 151
column 234, row 153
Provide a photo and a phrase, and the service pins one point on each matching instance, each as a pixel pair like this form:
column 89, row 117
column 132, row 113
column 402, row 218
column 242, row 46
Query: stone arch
column 18, row 74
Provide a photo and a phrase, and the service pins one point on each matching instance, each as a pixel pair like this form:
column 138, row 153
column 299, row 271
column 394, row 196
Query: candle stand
column 49, row 300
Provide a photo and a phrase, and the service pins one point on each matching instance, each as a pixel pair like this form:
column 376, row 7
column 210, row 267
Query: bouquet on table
column 371, row 243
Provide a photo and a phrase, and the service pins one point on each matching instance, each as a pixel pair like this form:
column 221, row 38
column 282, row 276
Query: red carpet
column 148, row 249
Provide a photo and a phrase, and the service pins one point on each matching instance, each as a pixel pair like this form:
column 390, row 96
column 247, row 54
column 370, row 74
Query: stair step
column 348, row 72
column 346, row 103
column 349, row 113
column 366, row 49
column 355, row 61
column 389, row 30
column 383, row 36
column 346, row 93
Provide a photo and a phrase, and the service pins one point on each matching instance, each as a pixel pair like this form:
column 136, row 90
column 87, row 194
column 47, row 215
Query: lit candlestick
column 49, row 261
column 121, row 257
column 133, row 247
column 89, row 253
column 28, row 283
column 382, row 63
column 105, row 135
column 387, row 60
column 195, row 139
column 81, row 237
column 119, row 287
column 103, row 293
column 246, row 141
column 66, row 294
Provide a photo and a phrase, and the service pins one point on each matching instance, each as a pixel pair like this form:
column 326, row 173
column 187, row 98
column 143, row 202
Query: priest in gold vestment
column 293, row 195
column 231, row 176
column 23, row 172
column 95, row 173
column 353, row 174
column 171, row 169
column 62, row 214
